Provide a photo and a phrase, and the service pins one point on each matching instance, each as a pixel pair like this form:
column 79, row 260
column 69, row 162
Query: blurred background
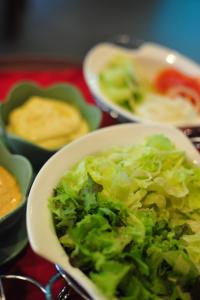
column 69, row 28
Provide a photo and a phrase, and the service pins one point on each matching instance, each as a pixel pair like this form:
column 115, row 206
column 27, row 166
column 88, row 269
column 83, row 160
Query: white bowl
column 41, row 232
column 150, row 56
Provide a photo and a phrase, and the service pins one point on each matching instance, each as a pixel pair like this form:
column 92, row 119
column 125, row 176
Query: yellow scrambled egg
column 49, row 123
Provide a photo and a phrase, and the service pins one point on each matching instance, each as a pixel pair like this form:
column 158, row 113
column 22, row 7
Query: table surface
column 31, row 63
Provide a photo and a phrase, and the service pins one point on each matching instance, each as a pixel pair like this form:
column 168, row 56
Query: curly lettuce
column 129, row 218
column 118, row 81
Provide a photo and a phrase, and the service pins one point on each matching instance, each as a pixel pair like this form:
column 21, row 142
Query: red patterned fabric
column 28, row 263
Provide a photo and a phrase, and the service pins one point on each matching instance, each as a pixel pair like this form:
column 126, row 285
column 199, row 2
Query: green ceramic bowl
column 63, row 92
column 21, row 169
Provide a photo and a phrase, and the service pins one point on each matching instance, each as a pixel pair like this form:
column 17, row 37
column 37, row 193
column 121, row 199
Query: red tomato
column 173, row 83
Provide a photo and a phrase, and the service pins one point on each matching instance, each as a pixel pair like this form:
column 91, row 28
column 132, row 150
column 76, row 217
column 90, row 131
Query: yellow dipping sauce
column 49, row 123
column 10, row 195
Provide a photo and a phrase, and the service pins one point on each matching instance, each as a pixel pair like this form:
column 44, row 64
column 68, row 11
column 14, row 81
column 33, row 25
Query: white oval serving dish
column 41, row 232
column 151, row 57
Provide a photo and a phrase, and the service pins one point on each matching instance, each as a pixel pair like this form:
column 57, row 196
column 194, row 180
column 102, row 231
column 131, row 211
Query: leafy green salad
column 120, row 82
column 129, row 218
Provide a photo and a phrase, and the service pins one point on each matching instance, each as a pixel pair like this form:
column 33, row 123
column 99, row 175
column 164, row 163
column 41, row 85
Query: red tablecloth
column 28, row 263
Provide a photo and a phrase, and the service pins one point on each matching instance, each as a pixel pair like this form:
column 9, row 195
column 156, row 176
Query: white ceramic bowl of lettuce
column 151, row 59
column 41, row 231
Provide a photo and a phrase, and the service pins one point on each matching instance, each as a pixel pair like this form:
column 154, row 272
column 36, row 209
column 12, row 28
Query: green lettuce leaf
column 129, row 218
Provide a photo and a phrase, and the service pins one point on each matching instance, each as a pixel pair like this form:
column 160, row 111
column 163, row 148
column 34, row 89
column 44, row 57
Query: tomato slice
column 174, row 83
column 185, row 92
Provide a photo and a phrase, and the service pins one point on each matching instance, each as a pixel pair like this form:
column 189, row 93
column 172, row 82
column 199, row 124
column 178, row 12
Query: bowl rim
column 182, row 62
column 58, row 165
column 81, row 103
column 25, row 163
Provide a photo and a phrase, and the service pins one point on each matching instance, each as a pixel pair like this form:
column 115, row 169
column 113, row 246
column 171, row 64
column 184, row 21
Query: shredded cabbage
column 119, row 82
column 129, row 218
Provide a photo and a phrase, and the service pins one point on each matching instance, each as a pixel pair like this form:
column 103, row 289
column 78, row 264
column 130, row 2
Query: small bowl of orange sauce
column 15, row 180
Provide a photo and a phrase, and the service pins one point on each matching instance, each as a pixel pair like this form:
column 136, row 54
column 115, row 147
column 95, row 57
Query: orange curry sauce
column 10, row 195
